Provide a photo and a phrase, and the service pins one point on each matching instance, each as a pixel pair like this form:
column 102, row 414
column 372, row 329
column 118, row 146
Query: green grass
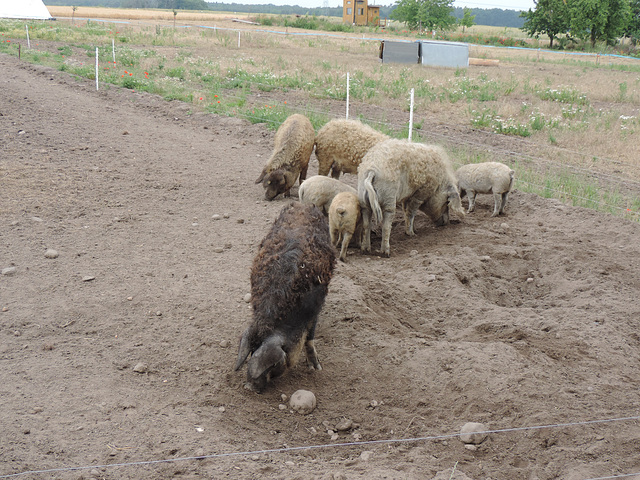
column 562, row 183
column 232, row 90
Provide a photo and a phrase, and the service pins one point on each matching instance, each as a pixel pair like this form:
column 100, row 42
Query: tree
column 468, row 20
column 550, row 18
column 407, row 12
column 600, row 19
column 183, row 4
column 425, row 14
column 139, row 4
column 633, row 28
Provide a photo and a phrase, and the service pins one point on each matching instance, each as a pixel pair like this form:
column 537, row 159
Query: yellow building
column 359, row 12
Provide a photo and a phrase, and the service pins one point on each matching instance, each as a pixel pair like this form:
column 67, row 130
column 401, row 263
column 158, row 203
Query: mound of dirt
column 127, row 230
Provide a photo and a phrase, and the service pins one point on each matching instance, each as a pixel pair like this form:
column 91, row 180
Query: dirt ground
column 117, row 354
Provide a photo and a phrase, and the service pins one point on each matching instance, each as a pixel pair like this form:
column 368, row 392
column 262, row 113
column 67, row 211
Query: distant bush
column 307, row 23
column 494, row 40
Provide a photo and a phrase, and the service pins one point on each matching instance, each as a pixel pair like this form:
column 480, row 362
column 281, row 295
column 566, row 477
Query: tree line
column 586, row 20
column 492, row 16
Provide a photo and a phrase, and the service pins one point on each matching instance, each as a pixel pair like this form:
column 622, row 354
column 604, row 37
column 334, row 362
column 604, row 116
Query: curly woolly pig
column 320, row 191
column 293, row 145
column 488, row 177
column 345, row 221
column 289, row 282
column 341, row 144
column 413, row 175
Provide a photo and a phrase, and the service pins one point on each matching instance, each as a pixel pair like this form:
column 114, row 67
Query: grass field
column 569, row 123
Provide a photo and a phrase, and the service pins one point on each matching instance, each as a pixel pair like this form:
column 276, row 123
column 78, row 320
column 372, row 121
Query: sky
column 504, row 4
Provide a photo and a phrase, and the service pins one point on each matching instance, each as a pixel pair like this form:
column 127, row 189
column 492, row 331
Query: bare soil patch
column 524, row 320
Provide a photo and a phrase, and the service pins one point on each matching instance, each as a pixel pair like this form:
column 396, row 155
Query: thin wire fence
column 545, row 189
column 333, row 445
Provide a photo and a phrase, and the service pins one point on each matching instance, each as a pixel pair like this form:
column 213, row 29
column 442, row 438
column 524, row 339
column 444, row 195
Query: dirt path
column 525, row 320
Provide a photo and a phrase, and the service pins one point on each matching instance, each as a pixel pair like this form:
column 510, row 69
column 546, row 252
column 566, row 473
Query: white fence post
column 96, row 68
column 28, row 41
column 113, row 49
column 238, row 39
column 347, row 96
column 411, row 116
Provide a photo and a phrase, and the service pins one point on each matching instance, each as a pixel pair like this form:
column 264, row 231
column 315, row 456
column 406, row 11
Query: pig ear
column 267, row 356
column 244, row 350
column 262, row 175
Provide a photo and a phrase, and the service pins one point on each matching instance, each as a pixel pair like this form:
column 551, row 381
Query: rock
column 51, row 253
column 88, row 278
column 226, row 215
column 413, row 253
column 9, row 271
column 366, row 455
column 284, row 398
column 247, row 298
column 303, row 402
column 282, row 407
column 36, row 219
column 485, row 258
column 225, row 343
column 430, row 278
column 222, row 409
column 240, row 220
column 529, row 280
column 468, row 433
column 216, row 217
column 141, row 368
column 218, row 250
column 344, row 425
column 504, row 226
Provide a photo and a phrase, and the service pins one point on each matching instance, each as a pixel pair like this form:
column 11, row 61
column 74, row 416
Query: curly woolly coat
column 289, row 282
column 413, row 175
column 292, row 149
column 341, row 144
column 320, row 191
column 487, row 177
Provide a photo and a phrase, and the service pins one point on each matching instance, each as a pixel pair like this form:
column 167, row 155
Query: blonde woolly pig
column 293, row 145
column 345, row 221
column 341, row 144
column 414, row 175
column 320, row 191
column 487, row 177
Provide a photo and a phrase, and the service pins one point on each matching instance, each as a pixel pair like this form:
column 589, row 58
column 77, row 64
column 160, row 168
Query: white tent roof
column 30, row 9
